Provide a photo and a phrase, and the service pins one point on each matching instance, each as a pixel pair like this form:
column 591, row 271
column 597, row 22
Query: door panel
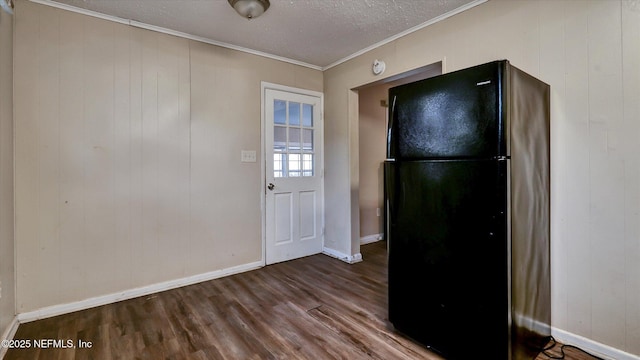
column 294, row 176
column 308, row 215
column 448, row 272
column 283, row 209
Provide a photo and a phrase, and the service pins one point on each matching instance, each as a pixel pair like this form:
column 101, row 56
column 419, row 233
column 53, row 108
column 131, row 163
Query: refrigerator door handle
column 390, row 129
column 389, row 214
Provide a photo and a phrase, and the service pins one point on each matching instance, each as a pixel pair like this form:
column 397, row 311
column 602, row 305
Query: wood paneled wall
column 7, row 270
column 127, row 147
column 589, row 52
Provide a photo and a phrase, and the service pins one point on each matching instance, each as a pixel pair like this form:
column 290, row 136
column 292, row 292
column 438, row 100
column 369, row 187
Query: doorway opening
column 373, row 116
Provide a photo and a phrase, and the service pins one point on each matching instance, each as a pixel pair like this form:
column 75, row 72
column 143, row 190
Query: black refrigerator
column 467, row 212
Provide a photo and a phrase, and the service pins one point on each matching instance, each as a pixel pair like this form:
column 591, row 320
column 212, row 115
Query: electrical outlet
column 0, row 289
column 377, row 211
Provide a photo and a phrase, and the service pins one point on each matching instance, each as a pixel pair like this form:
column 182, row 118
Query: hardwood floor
column 311, row 308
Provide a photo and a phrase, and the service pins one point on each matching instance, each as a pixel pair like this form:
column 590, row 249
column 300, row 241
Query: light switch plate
column 248, row 156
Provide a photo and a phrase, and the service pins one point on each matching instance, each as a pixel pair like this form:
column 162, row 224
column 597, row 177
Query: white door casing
column 294, row 199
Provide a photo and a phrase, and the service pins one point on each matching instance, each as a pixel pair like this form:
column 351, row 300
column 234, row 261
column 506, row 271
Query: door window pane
column 294, row 113
column 294, row 165
column 279, row 161
column 294, row 139
column 307, row 139
column 279, row 138
column 307, row 115
column 280, row 112
column 307, row 164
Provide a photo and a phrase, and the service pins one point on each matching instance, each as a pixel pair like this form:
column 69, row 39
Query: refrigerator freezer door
column 448, row 262
column 459, row 114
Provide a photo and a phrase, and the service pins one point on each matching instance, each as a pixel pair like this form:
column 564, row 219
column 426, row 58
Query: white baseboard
column 8, row 334
column 371, row 238
column 55, row 310
column 351, row 259
column 591, row 346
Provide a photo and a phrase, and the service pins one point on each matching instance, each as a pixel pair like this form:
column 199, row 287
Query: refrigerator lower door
column 448, row 255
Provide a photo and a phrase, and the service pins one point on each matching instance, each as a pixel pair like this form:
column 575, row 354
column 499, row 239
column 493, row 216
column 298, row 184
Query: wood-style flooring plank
column 316, row 308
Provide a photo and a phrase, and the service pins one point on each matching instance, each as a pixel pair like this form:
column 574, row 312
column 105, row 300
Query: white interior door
column 294, row 175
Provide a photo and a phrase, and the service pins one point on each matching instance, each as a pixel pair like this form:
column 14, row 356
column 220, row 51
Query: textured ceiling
column 319, row 33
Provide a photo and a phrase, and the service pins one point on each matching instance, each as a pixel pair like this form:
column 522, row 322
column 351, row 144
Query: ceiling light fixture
column 7, row 5
column 250, row 8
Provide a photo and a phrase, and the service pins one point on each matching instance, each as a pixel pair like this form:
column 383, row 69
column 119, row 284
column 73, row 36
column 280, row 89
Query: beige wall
column 127, row 147
column 7, row 270
column 372, row 134
column 588, row 51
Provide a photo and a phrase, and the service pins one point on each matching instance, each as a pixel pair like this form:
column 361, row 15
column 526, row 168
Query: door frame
column 264, row 86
